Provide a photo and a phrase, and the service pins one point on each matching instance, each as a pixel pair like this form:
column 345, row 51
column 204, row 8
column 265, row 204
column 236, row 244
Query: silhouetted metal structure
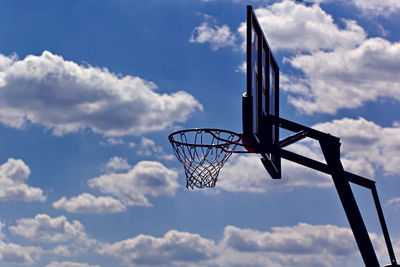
column 330, row 147
column 203, row 152
column 261, row 125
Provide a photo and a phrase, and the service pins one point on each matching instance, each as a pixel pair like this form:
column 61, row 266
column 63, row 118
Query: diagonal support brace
column 331, row 150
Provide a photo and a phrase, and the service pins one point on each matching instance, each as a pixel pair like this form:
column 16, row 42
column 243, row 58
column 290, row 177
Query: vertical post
column 331, row 150
column 384, row 227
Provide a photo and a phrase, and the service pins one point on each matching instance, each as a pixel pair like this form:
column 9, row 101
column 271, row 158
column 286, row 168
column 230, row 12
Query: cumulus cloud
column 299, row 239
column 69, row 264
column 345, row 78
column 13, row 175
column 316, row 1
column 366, row 146
column 216, row 36
column 378, row 7
column 66, row 97
column 299, row 245
column 13, row 253
column 112, row 142
column 394, row 202
column 117, row 164
column 174, row 247
column 62, row 251
column 130, row 188
column 296, row 27
column 87, row 203
column 146, row 178
column 247, row 174
column 43, row 228
column 148, row 147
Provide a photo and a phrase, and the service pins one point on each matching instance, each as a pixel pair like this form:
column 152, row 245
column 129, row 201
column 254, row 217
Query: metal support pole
column 331, row 150
column 384, row 227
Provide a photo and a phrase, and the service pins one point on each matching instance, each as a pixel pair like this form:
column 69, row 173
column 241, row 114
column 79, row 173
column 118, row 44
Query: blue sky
column 90, row 91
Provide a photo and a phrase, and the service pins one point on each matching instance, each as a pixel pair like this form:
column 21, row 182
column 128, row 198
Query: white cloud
column 66, row 97
column 147, row 178
column 148, row 147
column 15, row 170
column 87, row 203
column 112, row 142
column 299, row 239
column 69, row 264
column 243, row 174
column 299, row 245
column 43, row 228
column 378, row 7
column 293, row 26
column 366, row 146
column 62, row 251
column 317, row 1
column 394, row 202
column 247, row 174
column 173, row 248
column 117, row 164
column 13, row 253
column 13, row 175
column 131, row 144
column 216, row 36
column 345, row 78
column 242, row 67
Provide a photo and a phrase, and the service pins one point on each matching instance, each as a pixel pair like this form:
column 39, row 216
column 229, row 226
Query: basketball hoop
column 203, row 152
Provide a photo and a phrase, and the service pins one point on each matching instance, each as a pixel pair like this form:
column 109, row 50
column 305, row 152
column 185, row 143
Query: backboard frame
column 261, row 99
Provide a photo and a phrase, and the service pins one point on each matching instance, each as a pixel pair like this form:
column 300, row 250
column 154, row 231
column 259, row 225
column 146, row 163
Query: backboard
column 261, row 99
